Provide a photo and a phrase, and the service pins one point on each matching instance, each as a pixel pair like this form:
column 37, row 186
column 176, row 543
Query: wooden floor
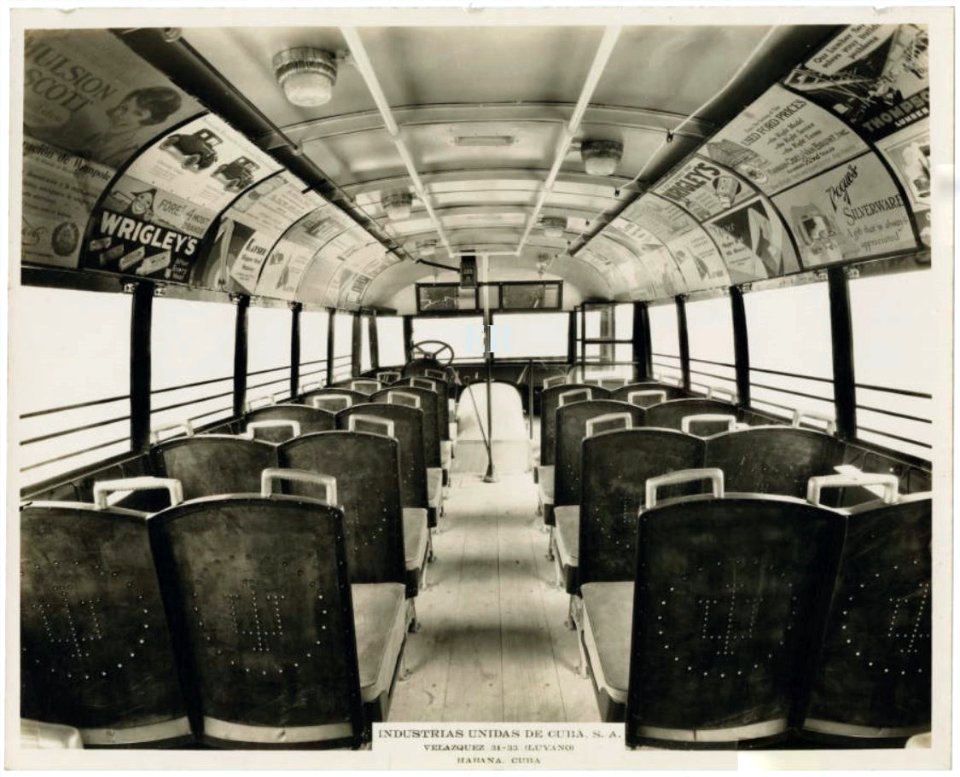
column 493, row 645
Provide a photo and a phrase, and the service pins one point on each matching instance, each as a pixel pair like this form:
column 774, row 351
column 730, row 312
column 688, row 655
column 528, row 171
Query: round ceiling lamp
column 601, row 157
column 306, row 75
column 553, row 226
column 397, row 205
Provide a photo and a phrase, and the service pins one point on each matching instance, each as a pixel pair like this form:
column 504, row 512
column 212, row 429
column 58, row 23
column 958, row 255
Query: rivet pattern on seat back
column 549, row 402
column 876, row 662
column 311, row 419
column 616, row 466
column 773, row 459
column 367, row 470
column 730, row 599
column 670, row 414
column 95, row 649
column 260, row 603
column 210, row 465
column 429, row 405
column 408, row 427
column 571, row 429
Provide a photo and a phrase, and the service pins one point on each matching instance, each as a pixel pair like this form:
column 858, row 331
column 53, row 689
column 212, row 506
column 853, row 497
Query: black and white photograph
column 474, row 388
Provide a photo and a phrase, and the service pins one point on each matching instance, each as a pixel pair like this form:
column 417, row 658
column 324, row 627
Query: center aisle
column 493, row 646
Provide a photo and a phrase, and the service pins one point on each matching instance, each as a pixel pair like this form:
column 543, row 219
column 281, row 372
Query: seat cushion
column 434, row 486
column 607, row 621
column 37, row 735
column 545, row 481
column 567, row 519
column 415, row 534
column 446, row 454
column 380, row 621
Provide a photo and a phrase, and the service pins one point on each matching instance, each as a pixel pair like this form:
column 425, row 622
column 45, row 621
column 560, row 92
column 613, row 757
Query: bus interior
column 428, row 373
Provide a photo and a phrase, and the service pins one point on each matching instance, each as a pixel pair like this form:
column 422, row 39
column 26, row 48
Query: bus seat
column 670, row 414
column 383, row 543
column 356, row 397
column 96, row 651
column 873, row 681
column 442, row 389
column 311, row 419
column 554, row 380
column 623, row 393
column 430, row 402
column 364, row 385
column 614, row 471
column 408, row 428
column 549, row 402
column 386, row 377
column 727, row 607
column 420, row 366
column 773, row 459
column 646, row 397
column 262, row 612
column 214, row 464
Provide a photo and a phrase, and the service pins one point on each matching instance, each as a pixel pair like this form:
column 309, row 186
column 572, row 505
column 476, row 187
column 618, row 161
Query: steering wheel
column 435, row 354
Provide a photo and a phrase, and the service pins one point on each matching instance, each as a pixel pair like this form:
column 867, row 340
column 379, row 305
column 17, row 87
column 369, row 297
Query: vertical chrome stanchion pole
column 491, row 475
column 530, row 395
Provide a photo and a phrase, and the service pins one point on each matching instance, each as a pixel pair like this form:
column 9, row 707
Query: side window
column 791, row 350
column 313, row 347
column 665, row 342
column 192, row 372
column 268, row 353
column 390, row 341
column 342, row 346
column 894, row 358
column 70, row 379
column 710, row 337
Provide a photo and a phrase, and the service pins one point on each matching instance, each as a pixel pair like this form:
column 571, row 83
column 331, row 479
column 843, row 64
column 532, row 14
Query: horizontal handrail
column 894, row 414
column 895, row 437
column 891, row 390
column 72, row 454
column 76, row 406
column 74, row 430
column 195, row 401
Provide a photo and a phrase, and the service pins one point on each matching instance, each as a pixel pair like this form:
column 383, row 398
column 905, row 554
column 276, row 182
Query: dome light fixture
column 397, row 205
column 600, row 157
column 427, row 248
column 553, row 226
column 306, row 75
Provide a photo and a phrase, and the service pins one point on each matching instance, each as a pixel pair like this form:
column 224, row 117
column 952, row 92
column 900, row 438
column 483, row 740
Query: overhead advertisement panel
column 908, row 153
column 151, row 221
column 849, row 212
column 874, row 77
column 89, row 104
column 250, row 228
column 781, row 140
column 753, row 242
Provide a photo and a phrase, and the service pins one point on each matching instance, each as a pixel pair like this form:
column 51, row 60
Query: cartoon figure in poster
column 726, row 188
column 916, row 168
column 125, row 134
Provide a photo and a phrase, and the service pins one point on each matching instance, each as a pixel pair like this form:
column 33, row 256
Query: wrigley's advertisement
column 873, row 76
column 782, row 139
column 704, row 188
column 849, row 212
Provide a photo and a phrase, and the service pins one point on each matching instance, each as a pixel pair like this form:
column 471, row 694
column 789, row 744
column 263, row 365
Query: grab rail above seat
column 187, row 427
column 274, row 475
column 625, row 422
column 714, row 475
column 103, row 488
column 706, row 418
column 889, row 483
column 250, row 432
column 388, row 427
column 800, row 415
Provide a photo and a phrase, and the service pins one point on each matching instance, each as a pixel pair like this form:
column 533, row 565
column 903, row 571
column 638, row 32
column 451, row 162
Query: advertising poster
column 85, row 92
column 849, row 212
column 908, row 153
column 699, row 260
column 140, row 230
column 206, row 162
column 261, row 215
column 704, row 188
column 753, row 243
column 782, row 139
column 660, row 217
column 60, row 190
column 873, row 76
column 304, row 240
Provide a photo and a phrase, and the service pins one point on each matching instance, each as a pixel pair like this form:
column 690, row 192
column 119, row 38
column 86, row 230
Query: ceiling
column 445, row 86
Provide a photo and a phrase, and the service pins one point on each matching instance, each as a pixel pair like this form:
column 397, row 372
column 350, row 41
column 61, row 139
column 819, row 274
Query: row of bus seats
column 269, row 609
column 781, row 613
